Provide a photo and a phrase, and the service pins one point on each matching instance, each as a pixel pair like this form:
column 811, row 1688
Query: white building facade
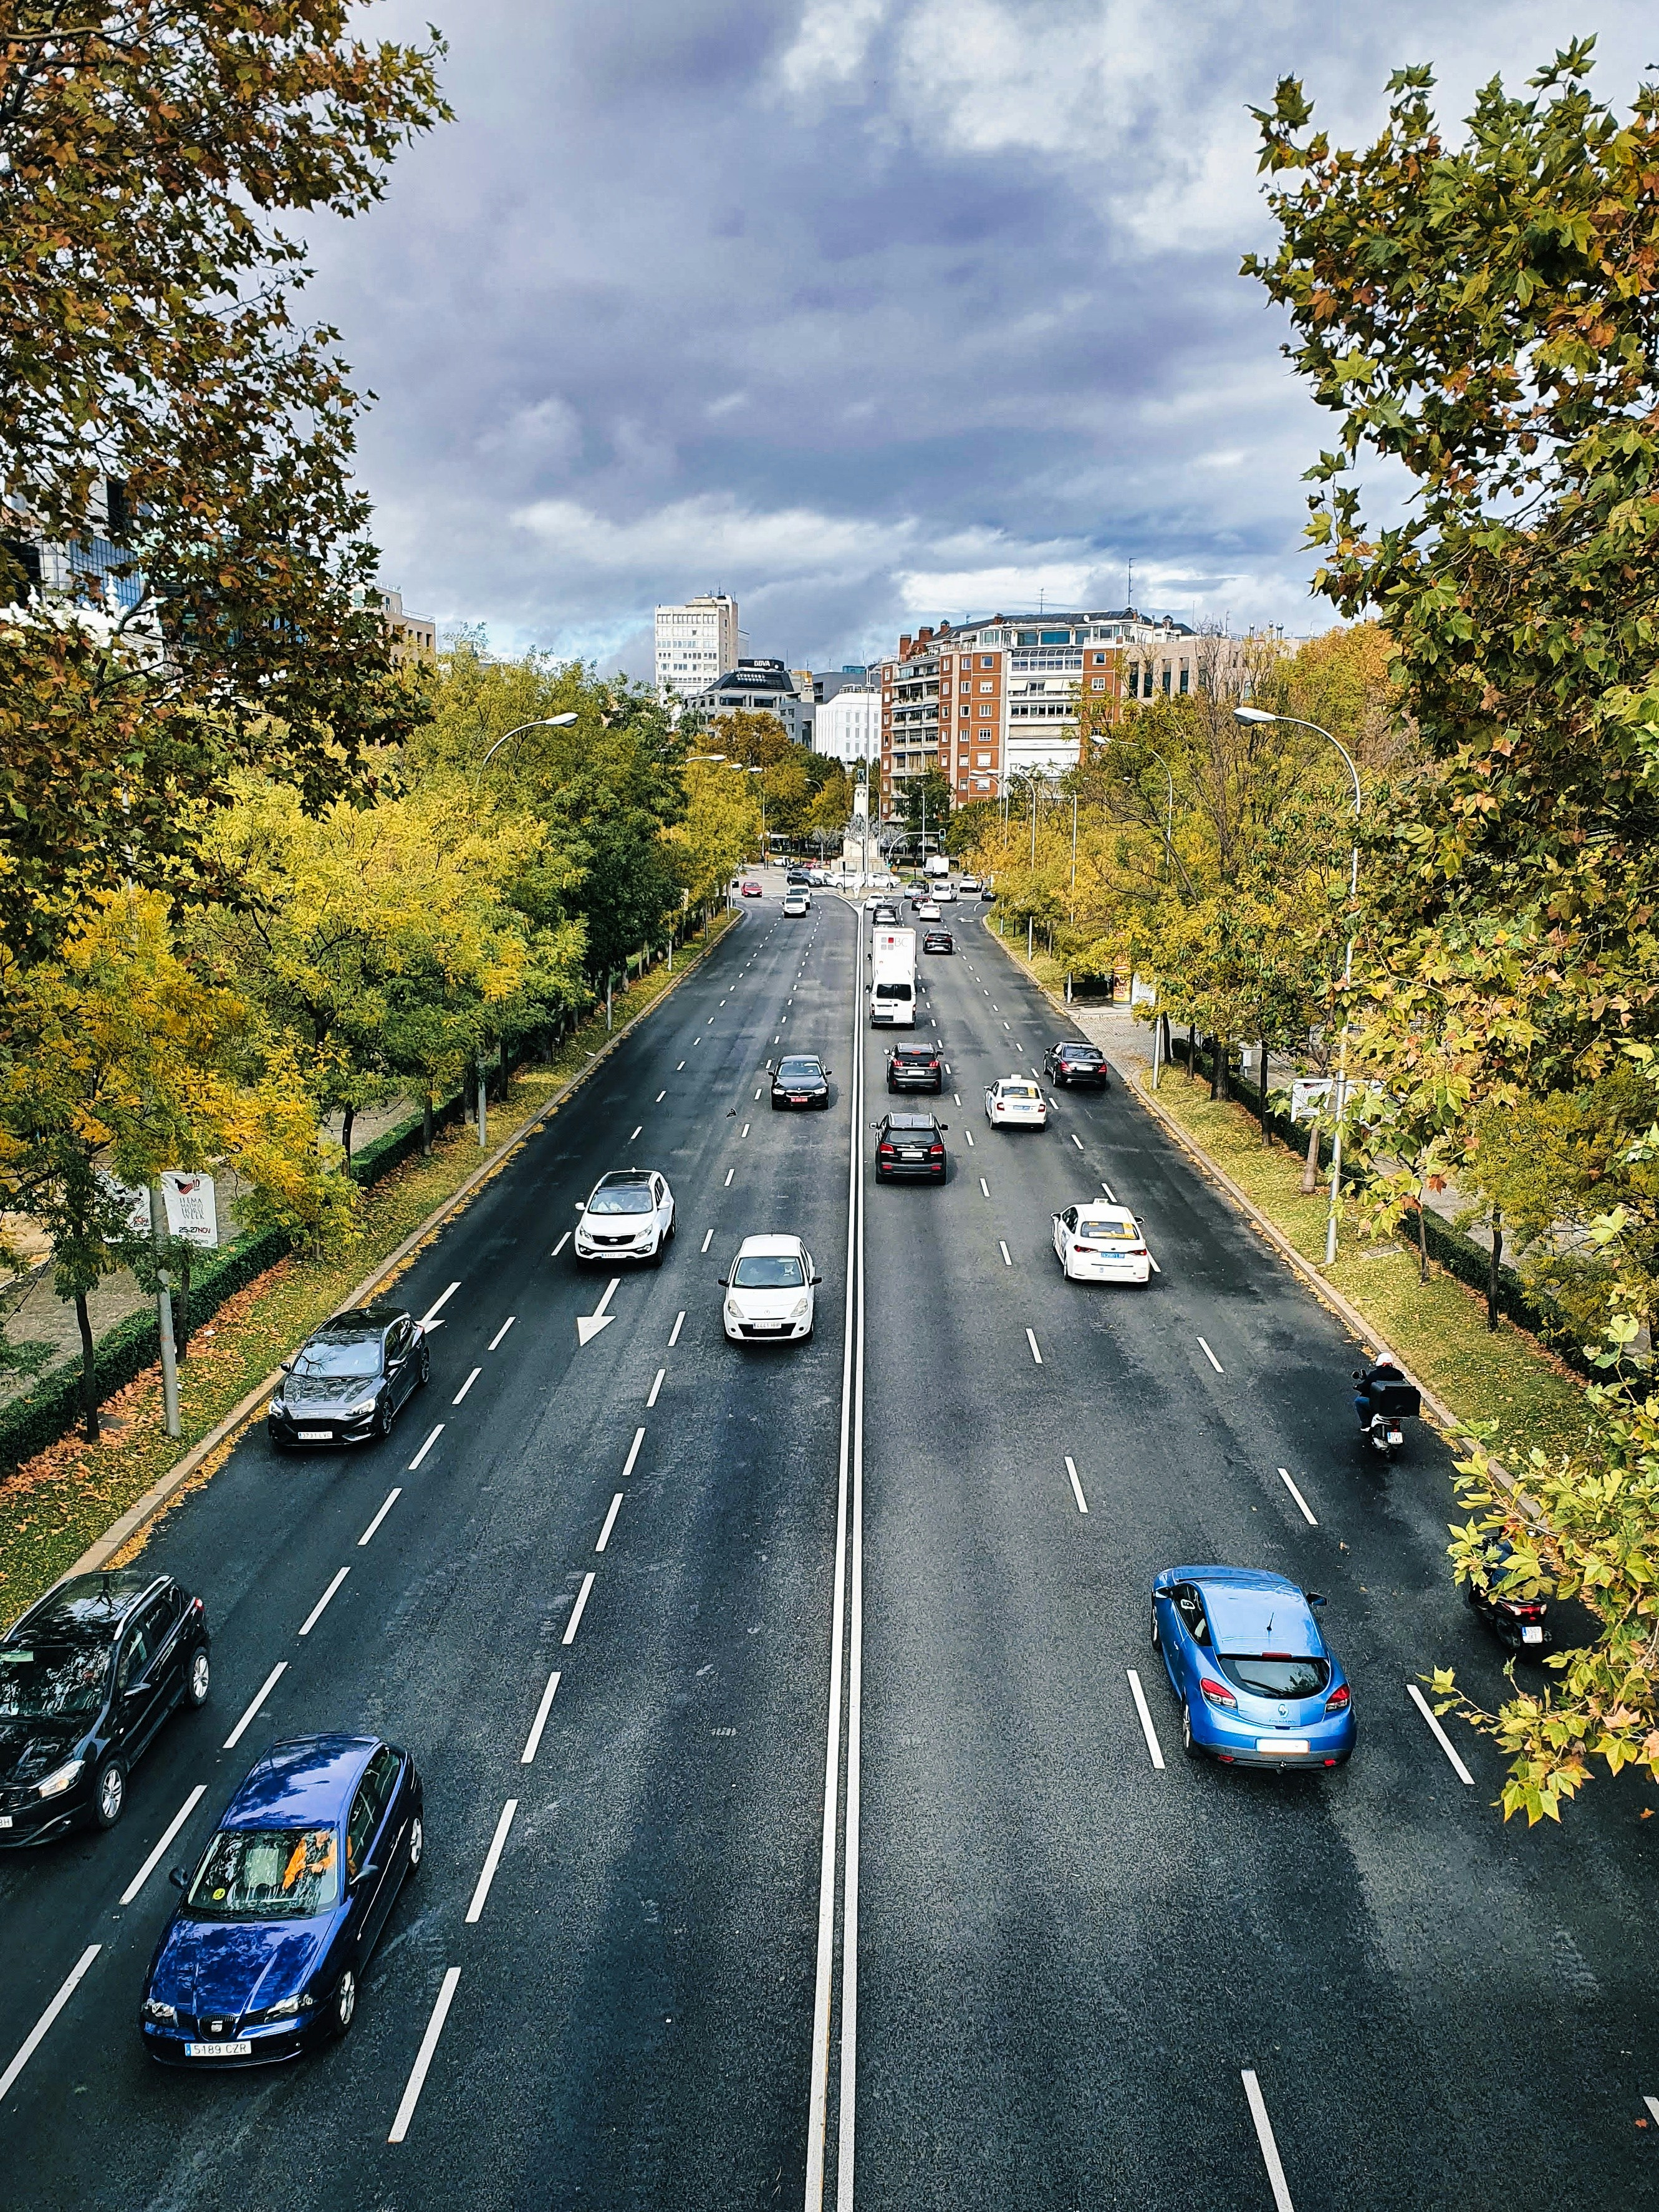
column 847, row 727
column 696, row 643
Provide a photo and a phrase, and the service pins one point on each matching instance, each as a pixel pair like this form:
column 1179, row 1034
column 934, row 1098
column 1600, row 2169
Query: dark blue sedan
column 1258, row 1684
column 265, row 1954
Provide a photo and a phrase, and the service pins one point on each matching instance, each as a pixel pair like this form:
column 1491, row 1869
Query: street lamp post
column 1260, row 714
column 551, row 722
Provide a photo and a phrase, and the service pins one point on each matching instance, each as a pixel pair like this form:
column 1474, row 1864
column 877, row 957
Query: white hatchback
column 1013, row 1103
column 628, row 1215
column 1098, row 1243
column 769, row 1291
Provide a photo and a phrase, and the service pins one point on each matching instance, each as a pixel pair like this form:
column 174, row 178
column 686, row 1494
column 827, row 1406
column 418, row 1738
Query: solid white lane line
column 1440, row 1735
column 321, row 1606
column 636, row 1133
column 466, row 1386
column 560, row 1246
column 1307, row 1513
column 423, row 2057
column 655, row 1387
column 492, row 1860
column 658, row 1100
column 985, row 1187
column 1264, row 2135
column 532, row 1741
column 440, row 1306
column 1146, row 1728
column 36, row 2035
column 1211, row 1357
column 1076, row 1140
column 679, row 1318
column 609, row 1523
column 730, row 1172
column 633, row 1453
column 1109, row 1192
column 259, row 1697
column 707, row 1241
column 425, row 1448
column 575, row 1620
column 1031, row 1338
column 1003, row 1249
column 392, row 1497
column 502, row 1331
column 1077, row 1487
column 168, row 1835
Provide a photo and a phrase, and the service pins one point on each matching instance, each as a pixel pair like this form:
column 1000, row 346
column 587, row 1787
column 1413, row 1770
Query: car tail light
column 1522, row 1609
column 933, row 1066
column 1085, row 1248
column 1217, row 1693
column 936, row 1151
column 885, row 1152
column 1139, row 1252
column 1338, row 1700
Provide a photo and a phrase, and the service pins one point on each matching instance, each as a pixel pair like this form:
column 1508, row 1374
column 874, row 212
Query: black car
column 1070, row 1062
column 1520, row 1623
column 886, row 916
column 915, row 1067
column 910, row 1145
column 346, row 1383
column 802, row 1079
column 938, row 940
column 87, row 1677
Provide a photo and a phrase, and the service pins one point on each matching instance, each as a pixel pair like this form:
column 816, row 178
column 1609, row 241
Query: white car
column 927, row 910
column 945, row 894
column 969, row 886
column 628, row 1215
column 796, row 901
column 769, row 1291
column 1098, row 1243
column 1014, row 1103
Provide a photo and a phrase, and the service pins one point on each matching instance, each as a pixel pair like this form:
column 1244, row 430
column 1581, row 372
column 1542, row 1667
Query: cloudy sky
column 868, row 311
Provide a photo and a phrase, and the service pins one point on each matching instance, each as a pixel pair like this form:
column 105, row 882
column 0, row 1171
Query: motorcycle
column 1383, row 1401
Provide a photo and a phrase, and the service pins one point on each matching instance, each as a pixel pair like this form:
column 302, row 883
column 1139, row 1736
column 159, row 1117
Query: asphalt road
column 1060, row 1959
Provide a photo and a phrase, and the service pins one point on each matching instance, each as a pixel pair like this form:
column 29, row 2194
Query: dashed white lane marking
column 678, row 1069
column 168, row 1835
column 426, row 1448
column 392, row 1497
column 655, row 1387
column 956, row 1094
column 259, row 1697
column 1109, row 1192
column 1307, row 1512
column 609, row 1523
column 1440, row 1735
column 636, row 1133
column 1031, row 1338
column 1211, row 1357
column 985, row 1187
column 1003, row 1249
column 947, row 1069
column 658, row 1100
column 492, row 1860
column 1652, row 2104
column 707, row 1241
column 1152, row 1263
column 730, row 1172
column 1005, row 1025
column 679, row 1318
column 575, row 1620
column 1153, row 1751
column 502, row 1331
column 745, row 1129
column 757, row 1094
column 423, row 2057
column 1077, row 1487
column 969, row 1134
column 36, row 2035
column 1264, row 2135
column 1076, row 1140
column 437, row 1309
column 560, row 1246
column 466, row 1386
column 633, row 1453
column 532, row 1741
column 321, row 1606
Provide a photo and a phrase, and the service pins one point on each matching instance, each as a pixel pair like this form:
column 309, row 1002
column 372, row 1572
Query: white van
column 893, row 979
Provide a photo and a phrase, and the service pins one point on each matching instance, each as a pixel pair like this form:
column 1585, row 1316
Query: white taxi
column 1016, row 1103
column 769, row 1291
column 1098, row 1243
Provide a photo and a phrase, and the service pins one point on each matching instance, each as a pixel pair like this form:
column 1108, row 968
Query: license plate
column 5, row 1820
column 218, row 2051
column 316, row 1436
column 1532, row 1634
column 766, row 1328
column 1283, row 1743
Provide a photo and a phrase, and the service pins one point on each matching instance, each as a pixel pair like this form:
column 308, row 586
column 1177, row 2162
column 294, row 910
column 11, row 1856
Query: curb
column 122, row 1531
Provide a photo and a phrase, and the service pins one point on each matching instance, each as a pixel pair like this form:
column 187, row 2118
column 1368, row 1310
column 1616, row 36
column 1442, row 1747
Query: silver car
column 628, row 1215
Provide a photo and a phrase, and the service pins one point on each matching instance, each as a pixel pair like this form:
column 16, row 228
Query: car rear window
column 893, row 991
column 1109, row 1226
column 1274, row 1677
column 1020, row 1091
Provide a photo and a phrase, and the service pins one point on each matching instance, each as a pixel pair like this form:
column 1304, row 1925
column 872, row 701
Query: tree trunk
column 1191, row 1053
column 88, row 1372
column 1310, row 1165
column 1262, row 1101
column 1494, row 1260
column 346, row 1120
column 1422, row 1239
column 181, row 1308
column 426, row 1125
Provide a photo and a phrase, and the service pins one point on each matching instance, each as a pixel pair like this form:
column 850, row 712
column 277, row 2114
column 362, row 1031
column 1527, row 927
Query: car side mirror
column 943, row 1127
column 179, row 1877
column 582, row 1206
column 1315, row 1598
column 725, row 1281
column 287, row 1366
column 816, row 1278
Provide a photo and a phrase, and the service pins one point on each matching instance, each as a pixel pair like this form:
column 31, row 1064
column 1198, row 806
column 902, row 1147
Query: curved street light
column 552, row 722
column 1295, row 721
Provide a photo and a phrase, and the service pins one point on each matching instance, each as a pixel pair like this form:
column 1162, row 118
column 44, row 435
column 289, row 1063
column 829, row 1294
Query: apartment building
column 999, row 698
column 848, row 726
column 761, row 687
column 696, row 643
column 414, row 637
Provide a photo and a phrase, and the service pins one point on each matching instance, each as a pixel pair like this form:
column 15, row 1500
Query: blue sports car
column 266, row 1951
column 1258, row 1684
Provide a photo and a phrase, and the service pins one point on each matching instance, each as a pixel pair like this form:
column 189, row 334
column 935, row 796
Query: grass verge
column 61, row 1501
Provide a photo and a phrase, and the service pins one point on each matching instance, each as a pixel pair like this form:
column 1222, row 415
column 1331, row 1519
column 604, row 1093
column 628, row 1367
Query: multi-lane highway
column 795, row 1833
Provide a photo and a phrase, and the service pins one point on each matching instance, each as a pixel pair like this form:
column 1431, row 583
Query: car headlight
column 154, row 2009
column 61, row 1778
column 357, row 1413
column 277, row 1407
column 733, row 1310
column 285, row 2008
column 801, row 1308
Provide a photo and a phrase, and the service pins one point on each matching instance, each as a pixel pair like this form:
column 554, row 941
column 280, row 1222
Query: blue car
column 265, row 1954
column 1258, row 1684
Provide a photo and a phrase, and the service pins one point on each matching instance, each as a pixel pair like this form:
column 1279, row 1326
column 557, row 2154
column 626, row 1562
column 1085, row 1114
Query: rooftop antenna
column 1130, row 601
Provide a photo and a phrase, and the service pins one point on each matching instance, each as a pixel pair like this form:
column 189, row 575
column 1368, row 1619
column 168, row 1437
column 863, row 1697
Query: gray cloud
column 867, row 310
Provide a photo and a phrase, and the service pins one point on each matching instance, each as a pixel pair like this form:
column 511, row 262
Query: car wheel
column 381, row 1426
column 416, row 1844
column 343, row 2005
column 425, row 1375
column 109, row 1793
column 1187, row 1743
column 198, row 1677
column 656, row 1257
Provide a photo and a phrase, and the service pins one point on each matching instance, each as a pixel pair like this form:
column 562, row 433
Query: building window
column 988, row 687
column 1166, row 679
column 1183, row 675
column 987, row 660
column 1098, row 682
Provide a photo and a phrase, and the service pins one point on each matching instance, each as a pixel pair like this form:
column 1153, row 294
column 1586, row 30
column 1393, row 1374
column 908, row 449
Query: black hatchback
column 910, row 1145
column 802, row 1079
column 915, row 1067
column 938, row 940
column 346, row 1383
column 87, row 1677
column 1070, row 1062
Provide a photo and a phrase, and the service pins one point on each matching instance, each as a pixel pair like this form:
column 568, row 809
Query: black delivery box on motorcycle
column 1394, row 1401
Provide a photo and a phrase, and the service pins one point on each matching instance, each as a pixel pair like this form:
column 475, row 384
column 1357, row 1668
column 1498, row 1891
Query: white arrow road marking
column 589, row 1325
column 426, row 1318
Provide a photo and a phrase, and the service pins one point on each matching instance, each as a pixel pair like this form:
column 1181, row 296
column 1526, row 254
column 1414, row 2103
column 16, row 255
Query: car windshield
column 768, row 1271
column 340, row 1357
column 268, row 1874
column 51, row 1681
column 621, row 1198
column 1109, row 1224
column 1275, row 1677
column 798, row 1071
